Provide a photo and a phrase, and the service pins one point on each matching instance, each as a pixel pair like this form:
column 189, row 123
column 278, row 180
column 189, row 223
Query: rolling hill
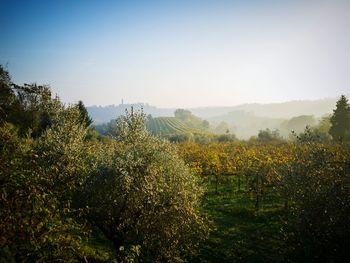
column 167, row 126
column 283, row 110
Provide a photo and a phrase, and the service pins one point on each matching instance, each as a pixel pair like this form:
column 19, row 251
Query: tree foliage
column 143, row 194
column 59, row 187
column 84, row 117
column 340, row 119
column 33, row 227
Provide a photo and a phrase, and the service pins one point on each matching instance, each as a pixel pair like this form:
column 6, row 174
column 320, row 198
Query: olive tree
column 142, row 193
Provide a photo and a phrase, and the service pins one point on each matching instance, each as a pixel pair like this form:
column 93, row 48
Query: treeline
column 185, row 126
column 67, row 194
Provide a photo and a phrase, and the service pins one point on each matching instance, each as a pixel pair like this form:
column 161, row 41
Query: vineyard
column 274, row 202
column 167, row 126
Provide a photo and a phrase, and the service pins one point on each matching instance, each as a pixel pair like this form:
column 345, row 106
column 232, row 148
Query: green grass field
column 240, row 233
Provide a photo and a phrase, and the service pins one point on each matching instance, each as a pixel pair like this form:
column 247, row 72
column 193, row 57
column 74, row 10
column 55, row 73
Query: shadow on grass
column 242, row 234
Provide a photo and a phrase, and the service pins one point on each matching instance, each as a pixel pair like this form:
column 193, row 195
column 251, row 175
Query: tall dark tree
column 7, row 96
column 84, row 115
column 340, row 120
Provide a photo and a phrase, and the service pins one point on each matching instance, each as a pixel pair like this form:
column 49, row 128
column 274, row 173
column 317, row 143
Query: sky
column 183, row 53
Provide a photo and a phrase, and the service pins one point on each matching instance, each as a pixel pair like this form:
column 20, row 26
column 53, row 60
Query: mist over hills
column 288, row 109
column 243, row 120
column 103, row 114
column 274, row 110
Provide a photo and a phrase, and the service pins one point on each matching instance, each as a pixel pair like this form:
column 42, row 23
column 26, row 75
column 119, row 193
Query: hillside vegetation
column 244, row 121
column 284, row 110
column 71, row 194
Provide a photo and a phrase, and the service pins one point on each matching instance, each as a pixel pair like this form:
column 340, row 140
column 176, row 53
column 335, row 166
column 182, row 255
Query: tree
column 340, row 120
column 7, row 96
column 267, row 135
column 142, row 193
column 182, row 114
column 84, row 115
column 34, row 226
column 191, row 120
column 28, row 106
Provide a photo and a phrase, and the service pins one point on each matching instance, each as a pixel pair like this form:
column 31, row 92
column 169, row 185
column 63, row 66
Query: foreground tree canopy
column 61, row 189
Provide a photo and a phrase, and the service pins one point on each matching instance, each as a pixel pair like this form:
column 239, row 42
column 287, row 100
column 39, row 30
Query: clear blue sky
column 179, row 53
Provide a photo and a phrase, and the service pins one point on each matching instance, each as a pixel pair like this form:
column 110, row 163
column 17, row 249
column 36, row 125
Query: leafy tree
column 33, row 114
column 62, row 151
column 32, row 226
column 268, row 135
column 27, row 106
column 143, row 194
column 182, row 114
column 191, row 120
column 340, row 119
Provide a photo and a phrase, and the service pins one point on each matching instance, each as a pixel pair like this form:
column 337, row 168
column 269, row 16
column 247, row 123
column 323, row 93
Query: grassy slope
column 240, row 233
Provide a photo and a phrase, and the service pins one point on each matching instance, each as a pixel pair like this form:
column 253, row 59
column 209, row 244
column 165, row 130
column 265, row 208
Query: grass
column 241, row 234
column 99, row 248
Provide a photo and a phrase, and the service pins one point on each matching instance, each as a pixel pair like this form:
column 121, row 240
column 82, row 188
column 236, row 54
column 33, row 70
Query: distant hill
column 103, row 114
column 318, row 108
column 246, row 124
column 288, row 109
column 243, row 120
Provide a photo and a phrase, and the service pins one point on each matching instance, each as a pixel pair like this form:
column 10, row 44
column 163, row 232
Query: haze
column 179, row 53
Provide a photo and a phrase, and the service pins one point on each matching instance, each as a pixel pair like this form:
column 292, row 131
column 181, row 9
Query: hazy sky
column 179, row 53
